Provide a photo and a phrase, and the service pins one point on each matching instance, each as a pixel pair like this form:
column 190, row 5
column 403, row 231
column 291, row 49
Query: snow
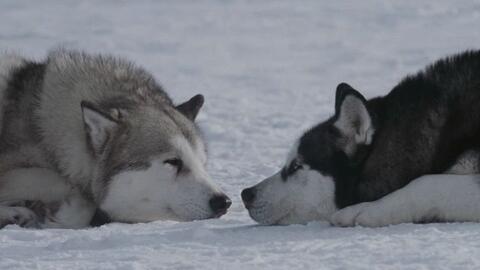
column 268, row 70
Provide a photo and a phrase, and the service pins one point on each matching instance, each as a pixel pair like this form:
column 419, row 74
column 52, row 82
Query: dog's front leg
column 430, row 198
column 57, row 203
column 73, row 212
column 17, row 213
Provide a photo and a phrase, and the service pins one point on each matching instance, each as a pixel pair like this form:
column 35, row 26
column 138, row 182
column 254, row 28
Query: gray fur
column 43, row 124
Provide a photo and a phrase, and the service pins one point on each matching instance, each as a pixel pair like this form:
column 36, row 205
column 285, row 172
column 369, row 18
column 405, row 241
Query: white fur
column 437, row 197
column 159, row 193
column 75, row 212
column 305, row 196
column 467, row 163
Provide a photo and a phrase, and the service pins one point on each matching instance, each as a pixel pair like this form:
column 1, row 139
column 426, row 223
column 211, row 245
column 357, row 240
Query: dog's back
column 426, row 123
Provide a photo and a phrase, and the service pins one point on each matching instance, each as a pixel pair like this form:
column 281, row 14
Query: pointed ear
column 191, row 107
column 98, row 126
column 352, row 117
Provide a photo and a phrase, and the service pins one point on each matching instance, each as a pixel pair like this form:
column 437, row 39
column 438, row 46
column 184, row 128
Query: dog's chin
column 269, row 220
column 284, row 218
column 199, row 214
column 103, row 216
column 166, row 213
column 218, row 215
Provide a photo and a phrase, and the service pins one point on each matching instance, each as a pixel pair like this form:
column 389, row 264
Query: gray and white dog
column 83, row 133
column 410, row 156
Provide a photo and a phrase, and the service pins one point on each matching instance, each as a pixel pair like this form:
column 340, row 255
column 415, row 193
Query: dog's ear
column 191, row 107
column 352, row 117
column 98, row 126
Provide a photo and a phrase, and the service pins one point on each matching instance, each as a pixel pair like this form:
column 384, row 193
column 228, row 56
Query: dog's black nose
column 248, row 195
column 219, row 204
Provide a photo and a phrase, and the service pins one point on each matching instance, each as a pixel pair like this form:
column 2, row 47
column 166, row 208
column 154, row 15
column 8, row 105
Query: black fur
column 100, row 218
column 191, row 107
column 421, row 127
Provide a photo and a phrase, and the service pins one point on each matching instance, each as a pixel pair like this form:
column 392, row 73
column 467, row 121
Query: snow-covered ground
column 268, row 70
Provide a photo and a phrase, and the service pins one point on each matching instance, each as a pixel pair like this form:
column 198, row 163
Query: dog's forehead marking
column 202, row 152
column 190, row 154
column 189, row 132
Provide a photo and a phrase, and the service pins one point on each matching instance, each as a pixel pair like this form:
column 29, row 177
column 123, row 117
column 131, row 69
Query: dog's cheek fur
column 315, row 194
column 134, row 196
column 301, row 198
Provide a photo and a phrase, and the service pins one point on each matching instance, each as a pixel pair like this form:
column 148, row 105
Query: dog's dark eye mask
column 290, row 169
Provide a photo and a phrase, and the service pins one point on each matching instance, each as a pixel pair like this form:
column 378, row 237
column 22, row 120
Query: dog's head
column 318, row 165
column 151, row 162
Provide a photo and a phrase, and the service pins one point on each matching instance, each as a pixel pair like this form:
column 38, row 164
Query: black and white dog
column 410, row 156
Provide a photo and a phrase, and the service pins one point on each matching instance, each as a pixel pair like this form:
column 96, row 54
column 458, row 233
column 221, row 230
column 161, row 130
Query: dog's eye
column 295, row 167
column 291, row 169
column 175, row 162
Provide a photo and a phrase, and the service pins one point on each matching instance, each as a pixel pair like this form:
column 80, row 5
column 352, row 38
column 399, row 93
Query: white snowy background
column 268, row 70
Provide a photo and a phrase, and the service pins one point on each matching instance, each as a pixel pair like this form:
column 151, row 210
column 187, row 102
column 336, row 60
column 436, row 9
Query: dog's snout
column 219, row 204
column 248, row 195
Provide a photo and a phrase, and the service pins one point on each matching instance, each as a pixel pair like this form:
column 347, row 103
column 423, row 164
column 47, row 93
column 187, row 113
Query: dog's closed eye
column 175, row 162
column 291, row 169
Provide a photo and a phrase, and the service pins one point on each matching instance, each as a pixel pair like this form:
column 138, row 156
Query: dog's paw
column 373, row 217
column 20, row 216
column 364, row 214
column 347, row 216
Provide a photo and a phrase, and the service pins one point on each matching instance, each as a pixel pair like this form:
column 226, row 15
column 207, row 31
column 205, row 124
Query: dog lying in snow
column 410, row 156
column 82, row 133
